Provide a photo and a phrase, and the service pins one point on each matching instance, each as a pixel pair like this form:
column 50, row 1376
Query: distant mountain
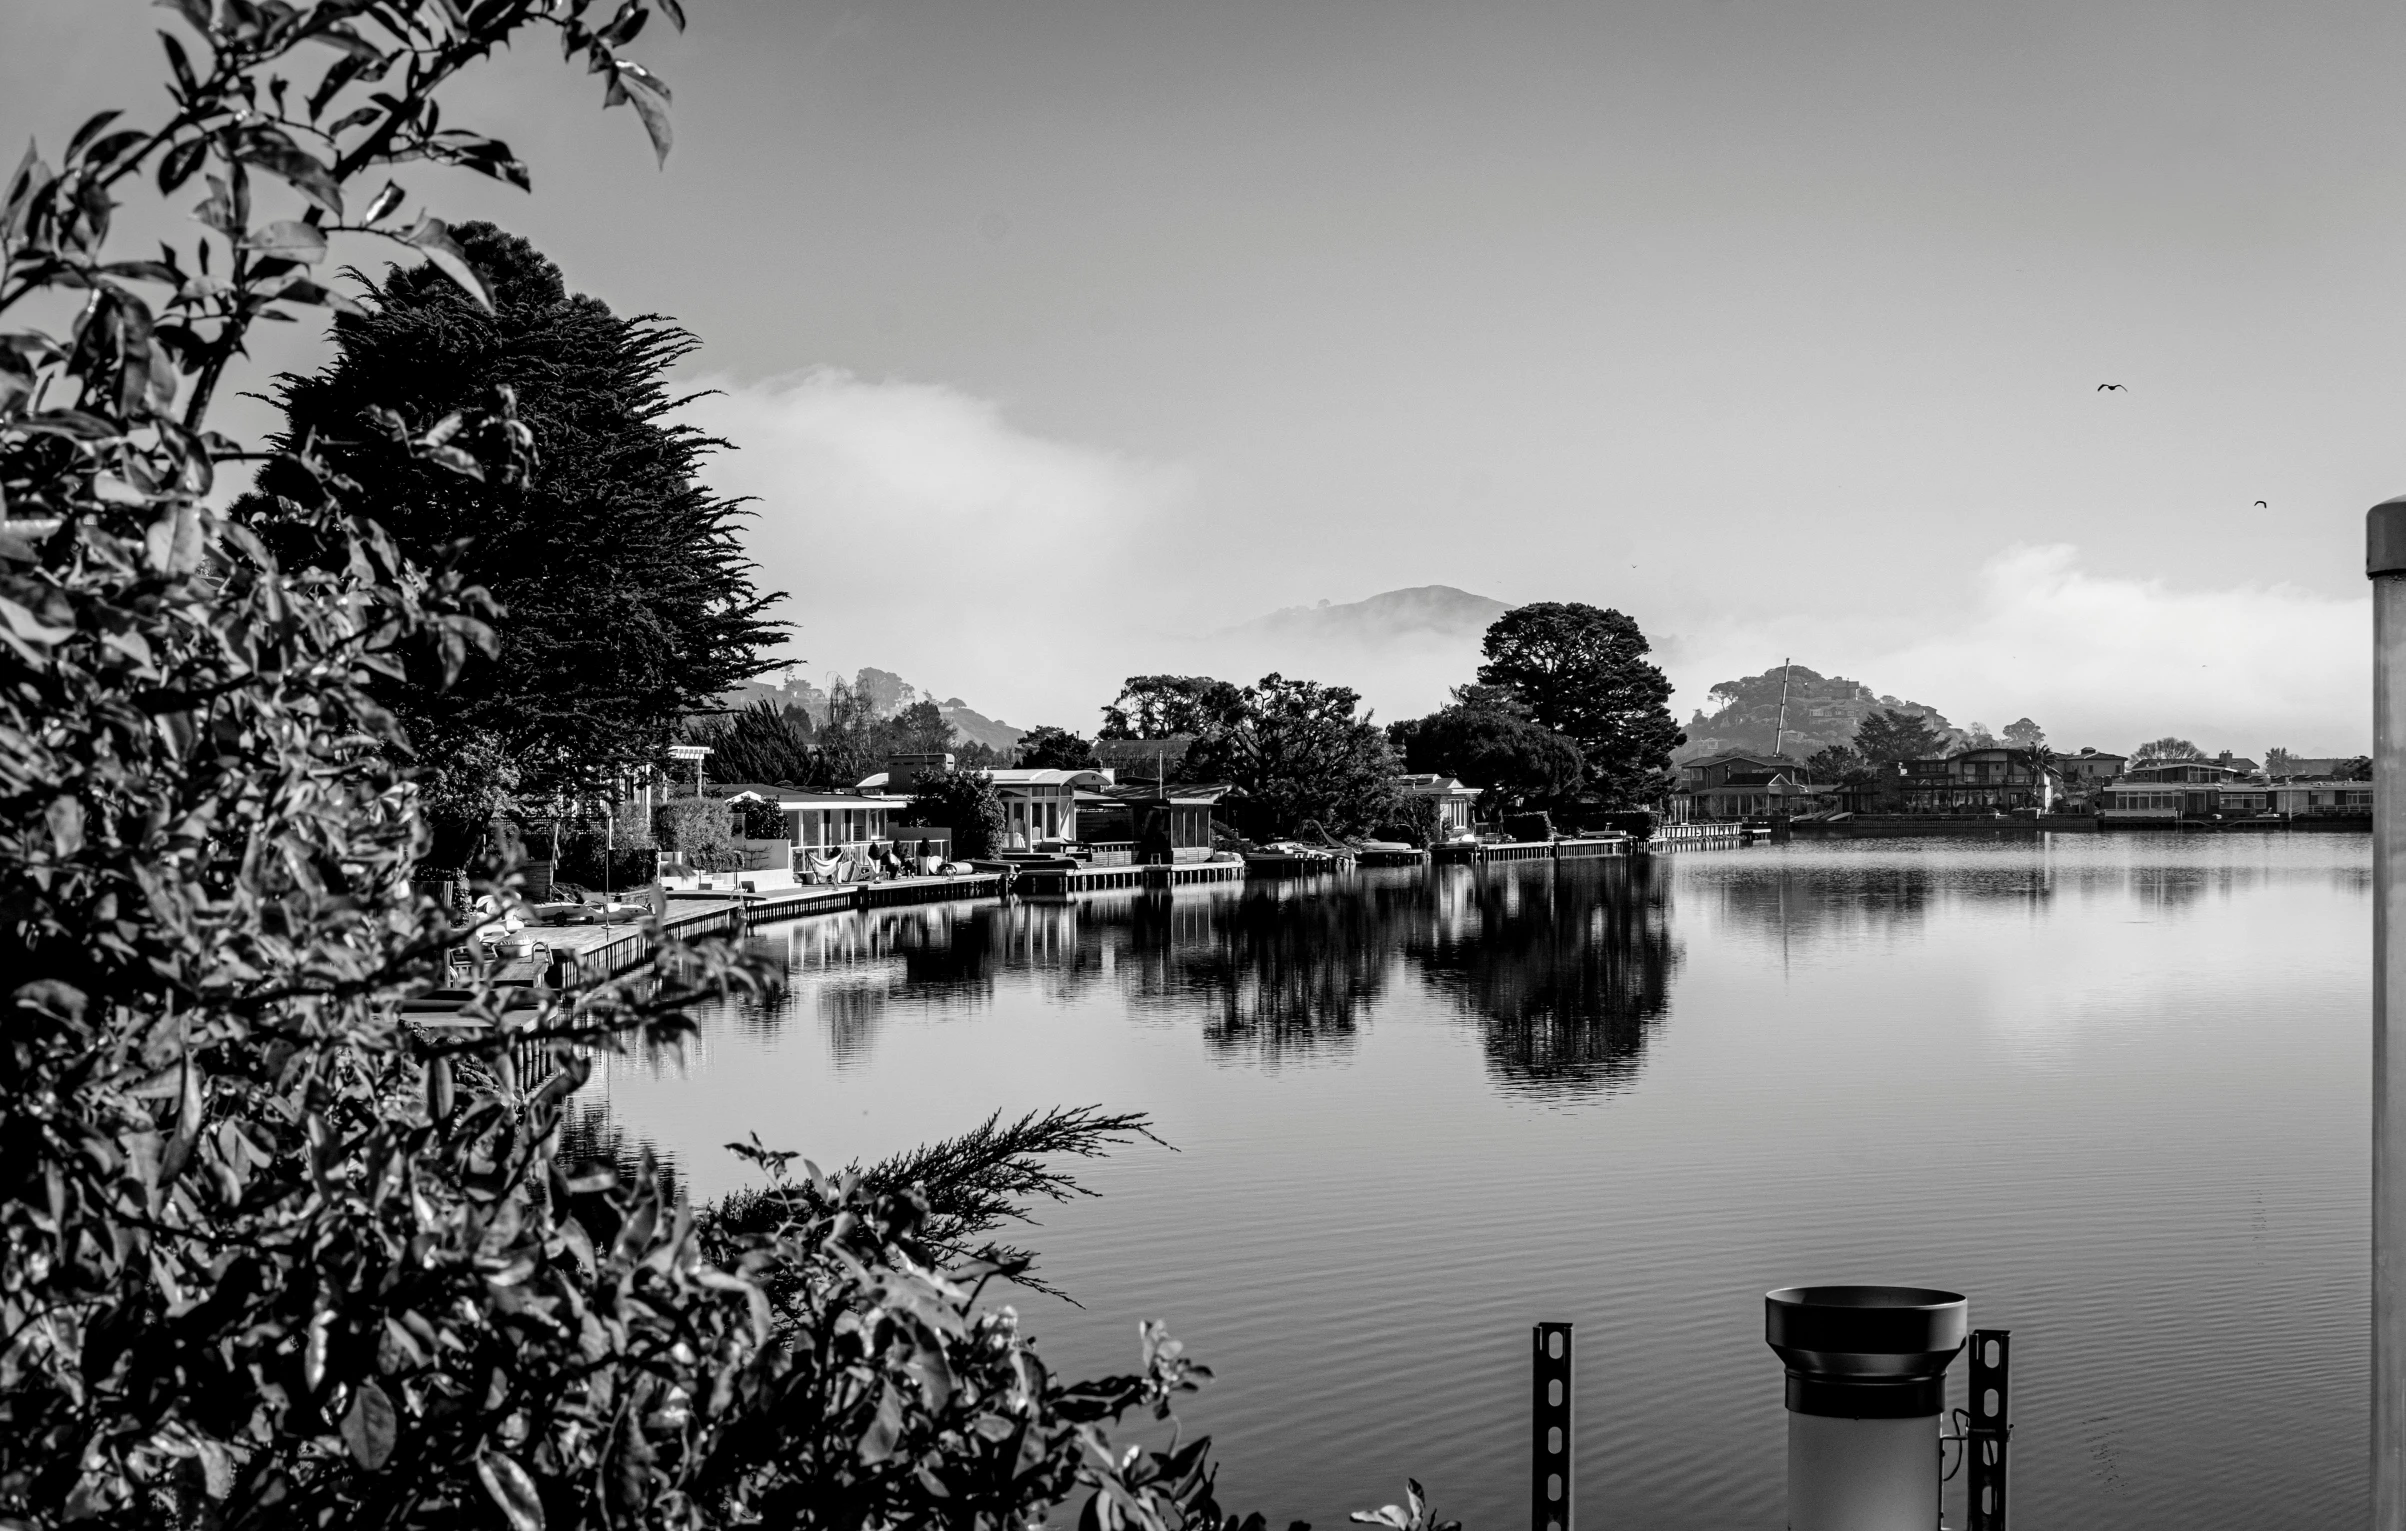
column 1438, row 610
column 1822, row 711
column 968, row 723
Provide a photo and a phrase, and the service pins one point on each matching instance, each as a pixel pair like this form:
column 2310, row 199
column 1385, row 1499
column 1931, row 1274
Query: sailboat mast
column 1780, row 736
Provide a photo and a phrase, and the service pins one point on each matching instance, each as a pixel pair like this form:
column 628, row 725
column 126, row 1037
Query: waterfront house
column 823, row 823
column 2085, row 774
column 1455, row 802
column 1040, row 806
column 2164, row 796
column 1991, row 780
column 1738, row 785
column 2328, row 798
column 813, row 824
column 2195, row 773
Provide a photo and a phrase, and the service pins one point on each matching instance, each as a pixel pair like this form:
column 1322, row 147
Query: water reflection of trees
column 1566, row 965
column 1278, row 970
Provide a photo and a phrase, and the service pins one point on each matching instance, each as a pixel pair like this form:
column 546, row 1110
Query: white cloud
column 917, row 530
column 2100, row 659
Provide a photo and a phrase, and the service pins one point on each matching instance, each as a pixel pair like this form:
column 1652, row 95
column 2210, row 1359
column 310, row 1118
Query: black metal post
column 1550, row 1428
column 1991, row 1429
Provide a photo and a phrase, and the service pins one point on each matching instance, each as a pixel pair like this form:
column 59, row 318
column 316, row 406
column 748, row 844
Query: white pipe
column 1862, row 1474
column 2385, row 563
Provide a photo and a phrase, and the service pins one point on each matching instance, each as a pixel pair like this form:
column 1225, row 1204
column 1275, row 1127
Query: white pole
column 2385, row 563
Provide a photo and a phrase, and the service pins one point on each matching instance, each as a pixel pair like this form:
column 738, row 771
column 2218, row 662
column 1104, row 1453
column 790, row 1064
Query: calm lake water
column 2112, row 1087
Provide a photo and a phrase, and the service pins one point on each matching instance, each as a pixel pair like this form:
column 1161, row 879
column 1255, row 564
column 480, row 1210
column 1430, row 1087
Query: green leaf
column 512, row 1489
column 386, row 201
column 433, row 236
column 290, row 239
column 649, row 95
column 271, row 151
column 65, row 817
column 369, row 1426
column 84, row 134
column 180, row 64
column 29, row 627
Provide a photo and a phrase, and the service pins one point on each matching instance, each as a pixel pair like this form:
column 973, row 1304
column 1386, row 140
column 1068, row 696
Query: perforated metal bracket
column 1991, row 1429
column 1550, row 1428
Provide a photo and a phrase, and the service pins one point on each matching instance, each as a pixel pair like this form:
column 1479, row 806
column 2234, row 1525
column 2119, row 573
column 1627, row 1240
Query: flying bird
column 2260, row 505
column 2111, row 388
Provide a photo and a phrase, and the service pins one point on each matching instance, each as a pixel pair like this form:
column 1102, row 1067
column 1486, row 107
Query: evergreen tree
column 1891, row 736
column 625, row 599
column 762, row 743
column 1046, row 747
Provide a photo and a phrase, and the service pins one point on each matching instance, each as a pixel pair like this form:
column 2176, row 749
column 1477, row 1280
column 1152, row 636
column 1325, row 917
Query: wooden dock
column 1684, row 837
column 1472, row 853
column 578, row 954
column 1060, row 881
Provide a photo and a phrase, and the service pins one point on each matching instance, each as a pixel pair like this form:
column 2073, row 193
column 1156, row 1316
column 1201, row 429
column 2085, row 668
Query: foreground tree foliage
column 625, row 599
column 269, row 1256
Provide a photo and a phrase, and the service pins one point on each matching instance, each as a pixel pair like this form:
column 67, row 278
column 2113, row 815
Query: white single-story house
column 1454, row 800
column 1040, row 805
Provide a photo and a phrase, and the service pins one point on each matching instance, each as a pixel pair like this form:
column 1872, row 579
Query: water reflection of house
column 1736, row 786
column 1455, row 802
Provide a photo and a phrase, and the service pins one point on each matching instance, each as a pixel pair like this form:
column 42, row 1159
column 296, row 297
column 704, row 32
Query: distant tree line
column 1565, row 712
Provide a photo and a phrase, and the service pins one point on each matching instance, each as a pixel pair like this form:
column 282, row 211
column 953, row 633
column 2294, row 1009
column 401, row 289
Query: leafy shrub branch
column 269, row 1254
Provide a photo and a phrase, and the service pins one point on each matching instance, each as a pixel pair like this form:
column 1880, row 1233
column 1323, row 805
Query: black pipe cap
column 2385, row 538
column 1866, row 1352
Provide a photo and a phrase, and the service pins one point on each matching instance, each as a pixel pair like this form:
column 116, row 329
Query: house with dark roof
column 1740, row 785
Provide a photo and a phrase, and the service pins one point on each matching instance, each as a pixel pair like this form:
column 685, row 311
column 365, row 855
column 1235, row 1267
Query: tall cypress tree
column 626, row 599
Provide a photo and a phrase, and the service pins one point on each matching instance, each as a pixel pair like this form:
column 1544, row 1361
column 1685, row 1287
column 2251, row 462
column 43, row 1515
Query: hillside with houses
column 1821, row 711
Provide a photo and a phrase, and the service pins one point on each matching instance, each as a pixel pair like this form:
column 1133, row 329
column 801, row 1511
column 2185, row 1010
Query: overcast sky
column 1059, row 332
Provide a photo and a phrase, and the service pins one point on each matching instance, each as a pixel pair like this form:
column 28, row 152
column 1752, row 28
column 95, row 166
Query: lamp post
column 2385, row 565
